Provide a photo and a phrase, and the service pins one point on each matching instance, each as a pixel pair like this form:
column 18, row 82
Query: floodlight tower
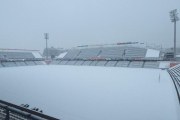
column 174, row 18
column 46, row 36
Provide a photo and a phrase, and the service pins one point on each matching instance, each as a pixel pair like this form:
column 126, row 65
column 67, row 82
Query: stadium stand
column 1, row 57
column 8, row 64
column 87, row 63
column 30, row 63
column 111, row 52
column 111, row 63
column 17, row 55
column 38, row 63
column 89, row 53
column 94, row 63
column 121, row 56
column 80, row 62
column 101, row 63
column 135, row 52
column 106, row 52
column 72, row 54
column 9, row 58
column 175, row 75
column 151, row 65
column 136, row 64
column 20, row 63
column 54, row 62
column 1, row 65
column 64, row 62
column 7, row 54
column 122, row 64
column 72, row 62
column 28, row 55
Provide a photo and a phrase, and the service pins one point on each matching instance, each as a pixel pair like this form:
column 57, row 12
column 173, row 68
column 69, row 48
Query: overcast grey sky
column 81, row 22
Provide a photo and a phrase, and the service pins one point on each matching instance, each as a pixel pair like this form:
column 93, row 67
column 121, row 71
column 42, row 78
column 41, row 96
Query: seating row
column 16, row 55
column 175, row 75
column 151, row 64
column 106, row 52
column 135, row 64
column 26, row 63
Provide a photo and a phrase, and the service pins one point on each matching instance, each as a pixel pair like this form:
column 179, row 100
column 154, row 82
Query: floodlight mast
column 46, row 35
column 174, row 18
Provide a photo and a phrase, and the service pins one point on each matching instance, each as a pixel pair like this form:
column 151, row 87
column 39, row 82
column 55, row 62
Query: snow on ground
column 92, row 93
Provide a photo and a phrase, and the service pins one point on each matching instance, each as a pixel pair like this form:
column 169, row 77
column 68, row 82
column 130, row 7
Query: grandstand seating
column 101, row 56
column 89, row 53
column 122, row 64
column 9, row 59
column 94, row 63
column 17, row 55
column 8, row 64
column 38, row 62
column 54, row 62
column 87, row 63
column 106, row 52
column 111, row 63
column 1, row 65
column 20, row 63
column 30, row 63
column 28, row 55
column 175, row 75
column 64, row 62
column 151, row 65
column 135, row 52
column 72, row 54
column 111, row 52
column 80, row 62
column 136, row 64
column 1, row 57
column 72, row 62
column 101, row 63
column 7, row 54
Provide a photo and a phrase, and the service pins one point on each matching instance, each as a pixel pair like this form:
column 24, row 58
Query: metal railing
column 9, row 111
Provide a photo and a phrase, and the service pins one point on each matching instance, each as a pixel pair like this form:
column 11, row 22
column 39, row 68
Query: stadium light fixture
column 174, row 18
column 46, row 36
